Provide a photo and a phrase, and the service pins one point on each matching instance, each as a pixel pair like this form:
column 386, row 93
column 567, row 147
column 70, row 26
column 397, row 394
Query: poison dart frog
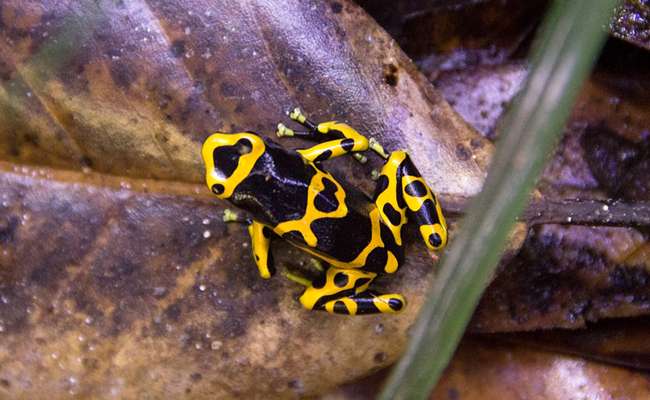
column 291, row 196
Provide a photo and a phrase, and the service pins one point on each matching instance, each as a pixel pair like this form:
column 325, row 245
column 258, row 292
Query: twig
column 571, row 212
column 588, row 212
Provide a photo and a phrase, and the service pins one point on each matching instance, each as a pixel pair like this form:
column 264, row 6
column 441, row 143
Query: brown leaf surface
column 481, row 95
column 123, row 288
column 623, row 342
column 118, row 277
column 458, row 33
column 565, row 276
column 493, row 369
column 133, row 89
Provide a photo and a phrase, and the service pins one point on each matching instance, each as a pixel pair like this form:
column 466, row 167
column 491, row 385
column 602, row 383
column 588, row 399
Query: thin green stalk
column 563, row 55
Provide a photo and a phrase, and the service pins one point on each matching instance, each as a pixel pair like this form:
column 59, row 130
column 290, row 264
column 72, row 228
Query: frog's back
column 309, row 208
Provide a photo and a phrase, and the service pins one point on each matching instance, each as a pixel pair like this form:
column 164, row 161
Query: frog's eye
column 226, row 158
column 218, row 189
column 244, row 146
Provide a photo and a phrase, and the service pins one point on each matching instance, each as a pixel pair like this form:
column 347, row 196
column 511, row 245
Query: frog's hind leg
column 389, row 198
column 367, row 302
column 401, row 189
column 261, row 236
column 423, row 206
column 343, row 291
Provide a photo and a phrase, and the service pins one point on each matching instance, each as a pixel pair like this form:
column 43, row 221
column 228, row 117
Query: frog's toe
column 360, row 157
column 318, row 264
column 283, row 131
column 229, row 215
column 297, row 115
column 373, row 144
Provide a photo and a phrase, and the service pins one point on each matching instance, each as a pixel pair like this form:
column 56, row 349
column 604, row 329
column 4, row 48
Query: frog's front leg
column 261, row 236
column 344, row 291
column 401, row 188
column 338, row 139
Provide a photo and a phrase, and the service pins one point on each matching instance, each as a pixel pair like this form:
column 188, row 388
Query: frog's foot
column 374, row 145
column 315, row 262
column 283, row 131
column 360, row 157
column 293, row 277
column 318, row 264
column 298, row 116
column 261, row 237
column 231, row 216
column 343, row 291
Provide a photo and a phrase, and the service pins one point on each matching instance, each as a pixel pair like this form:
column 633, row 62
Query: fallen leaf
column 119, row 277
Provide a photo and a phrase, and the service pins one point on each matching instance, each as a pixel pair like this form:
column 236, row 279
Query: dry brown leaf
column 568, row 275
column 623, row 342
column 133, row 89
column 565, row 277
column 493, row 369
column 118, row 276
column 113, row 287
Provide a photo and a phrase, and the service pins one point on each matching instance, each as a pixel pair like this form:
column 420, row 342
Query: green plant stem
column 564, row 52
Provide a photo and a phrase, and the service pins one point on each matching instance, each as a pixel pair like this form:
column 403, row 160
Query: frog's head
column 229, row 159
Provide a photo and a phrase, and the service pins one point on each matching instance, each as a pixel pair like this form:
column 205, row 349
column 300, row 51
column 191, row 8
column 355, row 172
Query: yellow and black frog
column 290, row 195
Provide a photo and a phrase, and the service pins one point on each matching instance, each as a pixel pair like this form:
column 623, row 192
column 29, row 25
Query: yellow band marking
column 244, row 164
column 303, row 225
column 389, row 196
column 260, row 248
